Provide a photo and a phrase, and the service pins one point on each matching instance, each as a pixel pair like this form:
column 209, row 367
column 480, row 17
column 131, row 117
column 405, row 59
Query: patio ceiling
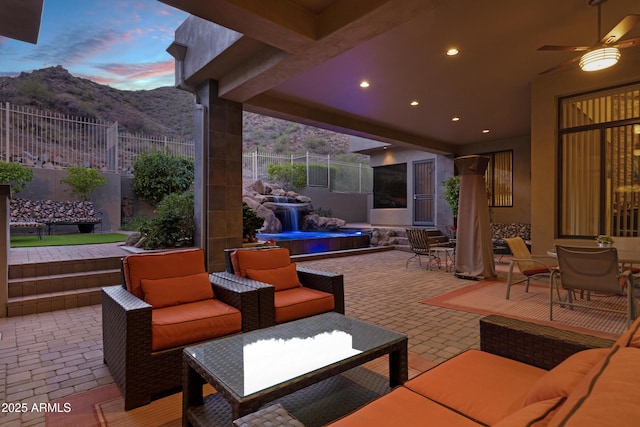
column 20, row 19
column 303, row 60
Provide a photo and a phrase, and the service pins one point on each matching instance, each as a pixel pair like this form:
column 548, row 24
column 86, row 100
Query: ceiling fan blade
column 565, row 48
column 562, row 64
column 623, row 27
column 628, row 43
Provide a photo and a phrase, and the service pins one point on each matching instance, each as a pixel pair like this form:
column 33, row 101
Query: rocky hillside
column 162, row 111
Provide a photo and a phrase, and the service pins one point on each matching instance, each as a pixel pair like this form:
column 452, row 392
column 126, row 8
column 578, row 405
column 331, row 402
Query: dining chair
column 595, row 271
column 528, row 266
column 419, row 242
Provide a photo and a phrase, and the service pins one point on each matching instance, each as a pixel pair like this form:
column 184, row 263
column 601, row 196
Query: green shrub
column 452, row 193
column 135, row 224
column 159, row 173
column 15, row 175
column 83, row 181
column 250, row 222
column 288, row 174
column 174, row 224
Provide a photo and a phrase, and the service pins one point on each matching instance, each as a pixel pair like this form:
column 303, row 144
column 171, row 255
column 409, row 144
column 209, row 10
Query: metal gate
column 424, row 192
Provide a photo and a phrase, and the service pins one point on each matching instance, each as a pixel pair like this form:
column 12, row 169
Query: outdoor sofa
column 286, row 291
column 524, row 375
column 166, row 303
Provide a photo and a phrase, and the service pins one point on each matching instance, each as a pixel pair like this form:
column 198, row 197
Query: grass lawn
column 66, row 239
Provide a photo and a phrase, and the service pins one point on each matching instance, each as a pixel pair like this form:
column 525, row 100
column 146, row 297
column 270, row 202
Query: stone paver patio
column 52, row 355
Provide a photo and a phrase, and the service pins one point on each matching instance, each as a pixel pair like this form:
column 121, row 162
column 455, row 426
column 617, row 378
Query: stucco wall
column 351, row 207
column 520, row 212
column 404, row 217
column 46, row 185
column 544, row 141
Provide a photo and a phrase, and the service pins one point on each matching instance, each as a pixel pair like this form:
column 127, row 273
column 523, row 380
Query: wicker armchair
column 141, row 373
column 323, row 281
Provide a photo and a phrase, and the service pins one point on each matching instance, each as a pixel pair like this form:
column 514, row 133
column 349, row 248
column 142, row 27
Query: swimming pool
column 310, row 242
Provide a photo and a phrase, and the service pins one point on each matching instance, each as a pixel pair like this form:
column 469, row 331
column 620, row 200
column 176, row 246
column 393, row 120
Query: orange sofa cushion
column 160, row 265
column 631, row 338
column 402, row 407
column 261, row 259
column 561, row 380
column 282, row 278
column 189, row 323
column 481, row 385
column 535, row 415
column 176, row 290
column 608, row 395
column 297, row 303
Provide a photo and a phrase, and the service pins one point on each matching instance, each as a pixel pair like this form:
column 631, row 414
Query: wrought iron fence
column 42, row 139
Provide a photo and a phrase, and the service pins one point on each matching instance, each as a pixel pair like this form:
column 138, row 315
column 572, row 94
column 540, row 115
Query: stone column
column 5, row 195
column 218, row 174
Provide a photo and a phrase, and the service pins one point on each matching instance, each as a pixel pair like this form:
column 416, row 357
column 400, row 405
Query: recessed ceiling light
column 452, row 52
column 364, row 84
column 485, row 130
column 414, row 103
column 455, row 119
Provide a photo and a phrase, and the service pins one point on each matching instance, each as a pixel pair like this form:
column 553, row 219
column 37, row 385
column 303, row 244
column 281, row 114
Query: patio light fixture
column 599, row 59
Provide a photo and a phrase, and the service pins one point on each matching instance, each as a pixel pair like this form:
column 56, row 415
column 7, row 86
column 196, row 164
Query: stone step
column 53, row 301
column 48, row 286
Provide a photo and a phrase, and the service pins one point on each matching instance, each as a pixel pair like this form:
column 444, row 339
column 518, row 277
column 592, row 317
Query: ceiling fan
column 606, row 51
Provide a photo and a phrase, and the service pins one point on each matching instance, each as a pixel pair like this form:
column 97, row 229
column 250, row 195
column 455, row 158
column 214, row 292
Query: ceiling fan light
column 599, row 59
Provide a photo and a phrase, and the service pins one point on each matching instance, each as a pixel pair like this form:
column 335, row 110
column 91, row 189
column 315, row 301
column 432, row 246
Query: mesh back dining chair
column 528, row 266
column 592, row 270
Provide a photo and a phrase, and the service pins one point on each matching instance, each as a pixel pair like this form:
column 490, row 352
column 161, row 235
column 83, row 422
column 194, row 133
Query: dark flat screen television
column 390, row 186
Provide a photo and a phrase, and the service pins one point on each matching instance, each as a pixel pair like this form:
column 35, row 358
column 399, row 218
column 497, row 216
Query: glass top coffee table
column 251, row 369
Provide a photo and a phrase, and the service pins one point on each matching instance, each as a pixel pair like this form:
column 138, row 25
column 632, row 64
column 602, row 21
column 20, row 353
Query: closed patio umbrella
column 474, row 249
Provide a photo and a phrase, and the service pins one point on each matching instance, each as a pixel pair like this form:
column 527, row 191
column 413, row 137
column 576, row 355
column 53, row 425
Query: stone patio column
column 218, row 174
column 5, row 195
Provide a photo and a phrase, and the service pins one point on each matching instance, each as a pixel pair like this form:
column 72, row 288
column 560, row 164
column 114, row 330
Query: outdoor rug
column 488, row 297
column 332, row 398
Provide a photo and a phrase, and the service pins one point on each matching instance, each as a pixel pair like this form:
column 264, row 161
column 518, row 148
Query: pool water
column 310, row 242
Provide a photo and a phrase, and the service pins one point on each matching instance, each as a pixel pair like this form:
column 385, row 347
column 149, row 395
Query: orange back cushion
column 282, row 278
column 176, row 290
column 160, row 265
column 262, row 259
column 631, row 338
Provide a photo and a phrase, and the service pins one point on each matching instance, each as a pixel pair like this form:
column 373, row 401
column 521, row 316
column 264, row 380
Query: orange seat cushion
column 176, row 290
column 301, row 302
column 537, row 414
column 261, row 259
column 193, row 322
column 282, row 278
column 402, row 407
column 536, row 270
column 481, row 385
column 160, row 265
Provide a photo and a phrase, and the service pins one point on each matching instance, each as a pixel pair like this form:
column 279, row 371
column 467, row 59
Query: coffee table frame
column 195, row 374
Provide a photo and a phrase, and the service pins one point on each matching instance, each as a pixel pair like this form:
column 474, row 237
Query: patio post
column 5, row 195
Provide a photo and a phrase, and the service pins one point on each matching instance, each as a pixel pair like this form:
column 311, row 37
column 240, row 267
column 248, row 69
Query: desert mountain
column 165, row 111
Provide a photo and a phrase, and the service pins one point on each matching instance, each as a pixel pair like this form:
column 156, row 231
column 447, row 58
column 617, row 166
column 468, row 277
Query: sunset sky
column 113, row 42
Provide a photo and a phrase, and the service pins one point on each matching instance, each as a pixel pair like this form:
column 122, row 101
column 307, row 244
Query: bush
column 288, row 174
column 15, row 175
column 250, row 222
column 83, row 181
column 159, row 173
column 174, row 225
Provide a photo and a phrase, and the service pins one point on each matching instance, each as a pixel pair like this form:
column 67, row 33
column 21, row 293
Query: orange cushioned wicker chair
column 286, row 291
column 166, row 303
